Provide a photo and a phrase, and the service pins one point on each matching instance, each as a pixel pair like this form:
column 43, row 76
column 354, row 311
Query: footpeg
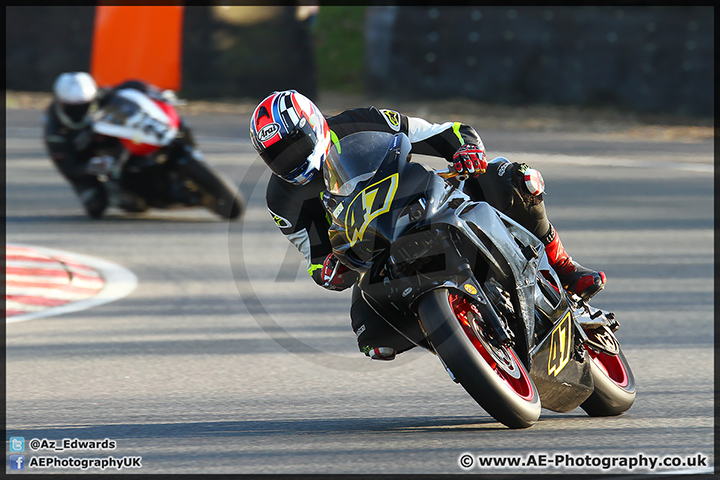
column 590, row 318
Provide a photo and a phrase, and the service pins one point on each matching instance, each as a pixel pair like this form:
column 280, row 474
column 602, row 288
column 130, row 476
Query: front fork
column 397, row 287
column 468, row 285
column 462, row 279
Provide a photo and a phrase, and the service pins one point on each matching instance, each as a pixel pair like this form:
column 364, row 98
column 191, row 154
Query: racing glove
column 336, row 275
column 470, row 159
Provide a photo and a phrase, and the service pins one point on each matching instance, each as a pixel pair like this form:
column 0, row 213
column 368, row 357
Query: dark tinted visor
column 288, row 154
column 298, row 171
column 76, row 112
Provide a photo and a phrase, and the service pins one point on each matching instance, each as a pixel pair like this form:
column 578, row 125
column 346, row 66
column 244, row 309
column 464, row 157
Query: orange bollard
column 141, row 43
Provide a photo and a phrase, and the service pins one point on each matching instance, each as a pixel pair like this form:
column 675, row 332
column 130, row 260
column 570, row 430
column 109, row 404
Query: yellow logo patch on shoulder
column 392, row 118
column 280, row 221
column 369, row 204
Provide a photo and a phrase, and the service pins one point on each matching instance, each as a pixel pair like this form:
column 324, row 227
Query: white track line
column 119, row 282
column 60, row 281
column 49, row 293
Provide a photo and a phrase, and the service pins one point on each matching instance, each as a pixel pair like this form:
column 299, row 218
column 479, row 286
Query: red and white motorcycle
column 154, row 162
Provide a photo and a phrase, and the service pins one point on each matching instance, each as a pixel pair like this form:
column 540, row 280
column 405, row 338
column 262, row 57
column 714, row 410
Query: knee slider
column 529, row 184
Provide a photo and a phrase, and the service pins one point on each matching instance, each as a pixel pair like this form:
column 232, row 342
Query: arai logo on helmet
column 268, row 131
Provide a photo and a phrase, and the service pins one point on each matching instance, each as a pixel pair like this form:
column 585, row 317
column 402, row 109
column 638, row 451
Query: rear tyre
column 614, row 385
column 223, row 199
column 494, row 377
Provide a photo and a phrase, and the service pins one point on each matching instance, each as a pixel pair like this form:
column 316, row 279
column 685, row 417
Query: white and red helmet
column 291, row 135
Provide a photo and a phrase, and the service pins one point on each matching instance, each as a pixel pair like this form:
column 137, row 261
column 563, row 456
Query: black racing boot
column 574, row 277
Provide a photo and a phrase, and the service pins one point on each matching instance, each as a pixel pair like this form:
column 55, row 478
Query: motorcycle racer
column 292, row 137
column 73, row 146
column 69, row 137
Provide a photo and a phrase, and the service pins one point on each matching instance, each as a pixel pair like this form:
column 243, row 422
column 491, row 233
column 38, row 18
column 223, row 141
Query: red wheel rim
column 611, row 365
column 521, row 386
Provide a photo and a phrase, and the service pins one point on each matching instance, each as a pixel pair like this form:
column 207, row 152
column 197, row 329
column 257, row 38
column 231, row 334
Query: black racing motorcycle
column 149, row 159
column 488, row 302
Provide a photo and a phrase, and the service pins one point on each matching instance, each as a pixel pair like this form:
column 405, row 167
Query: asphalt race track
column 226, row 358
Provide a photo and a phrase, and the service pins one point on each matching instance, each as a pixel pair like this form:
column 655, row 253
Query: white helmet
column 74, row 92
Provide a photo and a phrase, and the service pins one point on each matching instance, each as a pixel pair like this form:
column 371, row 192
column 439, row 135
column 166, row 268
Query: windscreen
column 354, row 159
column 119, row 111
column 131, row 115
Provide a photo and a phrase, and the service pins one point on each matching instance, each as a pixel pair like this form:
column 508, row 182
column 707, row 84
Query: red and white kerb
column 36, row 281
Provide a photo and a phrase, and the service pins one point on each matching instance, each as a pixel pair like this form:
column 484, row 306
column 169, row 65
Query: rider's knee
column 528, row 183
column 94, row 201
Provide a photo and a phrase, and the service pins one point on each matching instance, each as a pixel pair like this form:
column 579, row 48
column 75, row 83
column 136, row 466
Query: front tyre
column 494, row 377
column 614, row 384
column 222, row 198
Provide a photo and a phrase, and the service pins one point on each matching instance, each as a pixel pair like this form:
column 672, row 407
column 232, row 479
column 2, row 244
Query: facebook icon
column 17, row 462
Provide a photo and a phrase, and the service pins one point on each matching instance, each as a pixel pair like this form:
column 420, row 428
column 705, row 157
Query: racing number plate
column 369, row 204
column 560, row 346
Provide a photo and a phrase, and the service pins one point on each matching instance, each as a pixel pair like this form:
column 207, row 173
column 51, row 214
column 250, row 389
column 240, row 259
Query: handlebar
column 450, row 173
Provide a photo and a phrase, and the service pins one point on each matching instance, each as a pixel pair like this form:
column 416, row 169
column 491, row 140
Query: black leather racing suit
column 70, row 146
column 299, row 213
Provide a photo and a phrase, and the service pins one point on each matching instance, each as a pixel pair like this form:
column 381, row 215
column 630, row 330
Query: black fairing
column 376, row 213
column 407, row 232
